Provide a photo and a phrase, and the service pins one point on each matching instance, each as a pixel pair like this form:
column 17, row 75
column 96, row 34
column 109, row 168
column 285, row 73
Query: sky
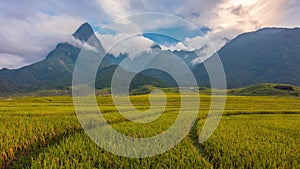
column 31, row 29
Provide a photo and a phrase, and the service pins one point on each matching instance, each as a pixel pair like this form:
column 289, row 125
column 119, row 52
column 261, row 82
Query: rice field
column 255, row 132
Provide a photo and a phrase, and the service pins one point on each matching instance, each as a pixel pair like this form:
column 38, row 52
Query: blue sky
column 161, row 39
column 31, row 29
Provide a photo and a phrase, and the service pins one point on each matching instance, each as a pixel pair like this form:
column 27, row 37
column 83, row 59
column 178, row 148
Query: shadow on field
column 22, row 154
column 200, row 147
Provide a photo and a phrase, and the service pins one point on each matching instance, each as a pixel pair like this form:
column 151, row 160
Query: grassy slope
column 139, row 89
column 265, row 90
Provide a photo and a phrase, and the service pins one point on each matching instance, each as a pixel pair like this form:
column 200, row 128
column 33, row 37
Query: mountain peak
column 155, row 46
column 84, row 32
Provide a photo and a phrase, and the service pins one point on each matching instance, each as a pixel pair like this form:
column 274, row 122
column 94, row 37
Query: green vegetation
column 255, row 132
column 269, row 55
column 141, row 86
column 255, row 141
column 267, row 90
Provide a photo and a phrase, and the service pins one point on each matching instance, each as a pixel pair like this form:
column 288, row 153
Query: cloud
column 230, row 18
column 81, row 44
column 177, row 47
column 124, row 43
column 251, row 15
column 30, row 29
column 238, row 10
column 11, row 61
column 115, row 8
column 33, row 38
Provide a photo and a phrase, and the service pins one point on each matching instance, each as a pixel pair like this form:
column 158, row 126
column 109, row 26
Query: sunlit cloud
column 30, row 29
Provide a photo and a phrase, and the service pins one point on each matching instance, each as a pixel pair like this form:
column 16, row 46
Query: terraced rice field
column 255, row 132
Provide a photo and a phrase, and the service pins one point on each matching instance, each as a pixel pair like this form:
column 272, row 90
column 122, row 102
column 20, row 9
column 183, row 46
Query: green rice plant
column 255, row 132
column 255, row 141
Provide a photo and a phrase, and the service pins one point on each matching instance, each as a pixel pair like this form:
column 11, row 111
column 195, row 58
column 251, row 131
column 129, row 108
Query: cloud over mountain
column 29, row 29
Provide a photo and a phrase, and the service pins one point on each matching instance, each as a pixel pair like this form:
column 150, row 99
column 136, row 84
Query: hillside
column 104, row 78
column 270, row 55
column 269, row 89
column 55, row 72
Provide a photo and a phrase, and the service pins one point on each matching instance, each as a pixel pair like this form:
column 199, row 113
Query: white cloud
column 155, row 20
column 124, row 43
column 11, row 61
column 229, row 18
column 226, row 18
column 144, row 22
column 205, row 46
column 81, row 44
column 115, row 8
column 29, row 30
column 61, row 24
column 179, row 46
column 33, row 38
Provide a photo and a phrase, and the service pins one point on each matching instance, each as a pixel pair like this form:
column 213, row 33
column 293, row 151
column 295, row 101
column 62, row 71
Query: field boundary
column 193, row 135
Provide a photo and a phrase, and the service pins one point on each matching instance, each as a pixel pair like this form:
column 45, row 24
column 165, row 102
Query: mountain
column 186, row 57
column 269, row 55
column 84, row 32
column 116, row 60
column 104, row 78
column 55, row 71
column 183, row 57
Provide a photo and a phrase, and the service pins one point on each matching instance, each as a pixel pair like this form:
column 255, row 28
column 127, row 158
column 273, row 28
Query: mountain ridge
column 84, row 32
column 268, row 55
column 55, row 71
